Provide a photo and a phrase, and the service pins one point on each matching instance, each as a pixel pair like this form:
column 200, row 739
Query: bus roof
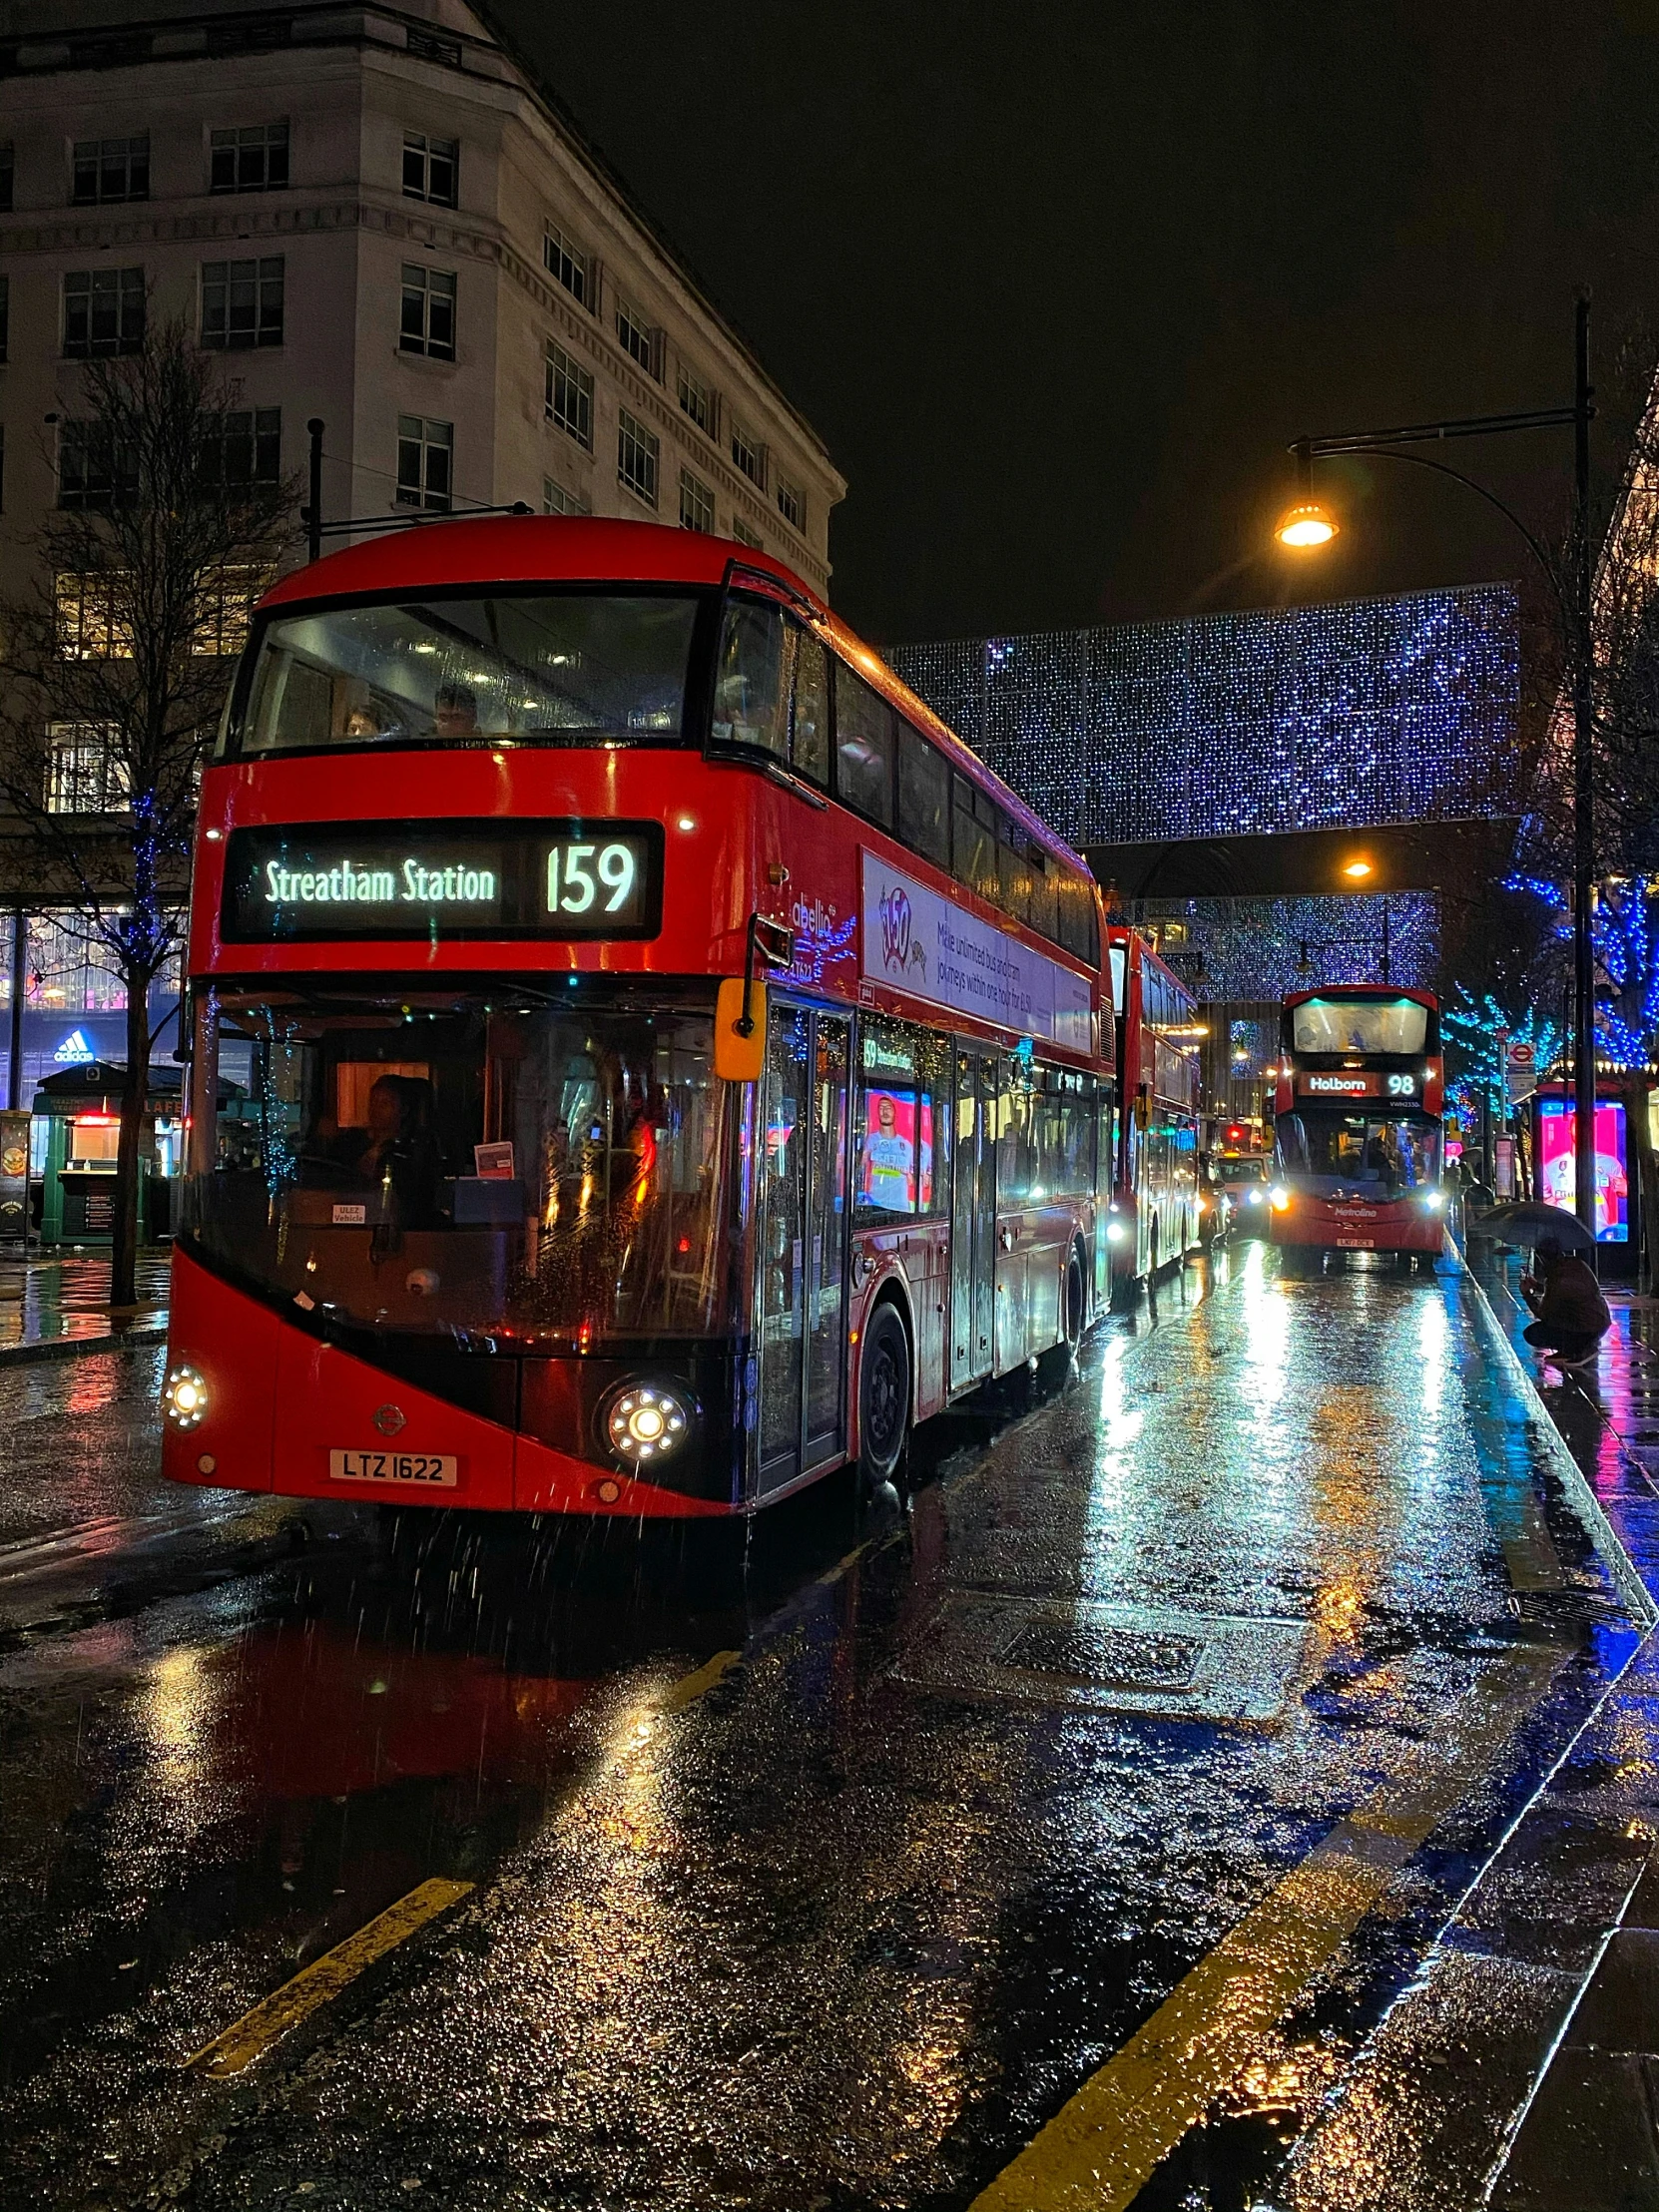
column 1364, row 990
column 528, row 549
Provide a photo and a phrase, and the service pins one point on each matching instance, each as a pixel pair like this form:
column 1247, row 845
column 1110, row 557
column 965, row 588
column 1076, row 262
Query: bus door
column 802, row 1312
column 974, row 1220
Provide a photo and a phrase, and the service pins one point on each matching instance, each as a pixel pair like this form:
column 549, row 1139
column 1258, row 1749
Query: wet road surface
column 1073, row 1828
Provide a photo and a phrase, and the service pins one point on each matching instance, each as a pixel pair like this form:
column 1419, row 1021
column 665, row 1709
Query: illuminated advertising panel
column 1557, row 1181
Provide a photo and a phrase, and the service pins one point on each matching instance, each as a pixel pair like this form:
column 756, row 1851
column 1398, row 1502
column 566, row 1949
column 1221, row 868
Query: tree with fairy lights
column 170, row 522
column 1486, row 1030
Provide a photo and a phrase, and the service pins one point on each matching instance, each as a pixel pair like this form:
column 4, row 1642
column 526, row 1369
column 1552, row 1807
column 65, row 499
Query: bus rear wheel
column 884, row 1399
column 1058, row 1361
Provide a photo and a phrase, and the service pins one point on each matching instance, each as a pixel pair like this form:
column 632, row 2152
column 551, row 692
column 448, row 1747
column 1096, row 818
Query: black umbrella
column 1525, row 1221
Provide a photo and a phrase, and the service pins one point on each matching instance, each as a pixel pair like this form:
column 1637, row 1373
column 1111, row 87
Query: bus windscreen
column 565, row 667
column 1366, row 1026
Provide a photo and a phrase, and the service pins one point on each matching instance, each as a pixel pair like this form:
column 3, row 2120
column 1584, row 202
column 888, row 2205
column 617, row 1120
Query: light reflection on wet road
column 846, row 1924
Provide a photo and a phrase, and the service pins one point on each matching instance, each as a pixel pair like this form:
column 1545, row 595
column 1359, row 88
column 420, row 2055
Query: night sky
column 1057, row 283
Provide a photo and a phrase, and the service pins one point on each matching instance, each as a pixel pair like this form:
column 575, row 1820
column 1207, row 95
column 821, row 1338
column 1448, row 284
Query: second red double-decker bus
column 1156, row 1215
column 641, row 1060
column 1360, row 1101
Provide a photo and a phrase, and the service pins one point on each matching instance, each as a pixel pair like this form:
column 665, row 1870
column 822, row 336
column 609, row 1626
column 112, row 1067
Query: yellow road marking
column 1100, row 2148
column 691, row 1687
column 324, row 1978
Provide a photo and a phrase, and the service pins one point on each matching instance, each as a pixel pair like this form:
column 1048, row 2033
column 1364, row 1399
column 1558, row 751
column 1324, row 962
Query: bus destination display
column 444, row 880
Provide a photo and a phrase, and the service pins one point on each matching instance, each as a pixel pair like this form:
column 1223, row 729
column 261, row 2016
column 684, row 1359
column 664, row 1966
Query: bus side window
column 809, row 749
column 1044, row 915
column 752, row 689
column 864, row 747
column 923, row 797
column 972, row 846
column 1013, row 870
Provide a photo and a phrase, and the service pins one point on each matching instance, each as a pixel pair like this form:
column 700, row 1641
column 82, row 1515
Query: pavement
column 56, row 1306
column 1587, row 2136
column 1221, row 1788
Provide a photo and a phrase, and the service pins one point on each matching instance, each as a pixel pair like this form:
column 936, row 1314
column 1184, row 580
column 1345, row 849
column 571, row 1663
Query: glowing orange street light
column 1305, row 525
column 1359, row 869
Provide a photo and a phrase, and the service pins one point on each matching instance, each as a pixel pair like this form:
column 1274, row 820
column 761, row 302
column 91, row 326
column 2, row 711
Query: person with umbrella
column 1566, row 1296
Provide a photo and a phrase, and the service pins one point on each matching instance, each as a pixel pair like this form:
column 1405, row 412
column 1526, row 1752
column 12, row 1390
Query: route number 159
column 588, row 879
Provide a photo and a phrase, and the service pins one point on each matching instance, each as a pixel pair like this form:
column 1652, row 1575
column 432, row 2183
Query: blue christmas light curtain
column 1363, row 713
column 1246, row 950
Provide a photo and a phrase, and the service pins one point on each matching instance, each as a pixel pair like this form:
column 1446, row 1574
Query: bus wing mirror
column 740, row 1049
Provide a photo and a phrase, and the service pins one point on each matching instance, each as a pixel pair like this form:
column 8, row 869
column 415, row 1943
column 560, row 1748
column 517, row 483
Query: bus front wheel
column 884, row 1399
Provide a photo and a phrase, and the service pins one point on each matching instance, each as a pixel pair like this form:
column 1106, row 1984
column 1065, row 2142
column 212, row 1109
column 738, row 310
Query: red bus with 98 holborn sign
column 1360, row 1102
column 641, row 1061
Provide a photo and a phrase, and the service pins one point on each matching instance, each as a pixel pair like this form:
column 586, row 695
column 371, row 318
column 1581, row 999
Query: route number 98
column 1401, row 1086
column 591, row 879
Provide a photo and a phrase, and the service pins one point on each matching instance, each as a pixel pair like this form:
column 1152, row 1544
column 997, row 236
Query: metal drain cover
column 1097, row 1657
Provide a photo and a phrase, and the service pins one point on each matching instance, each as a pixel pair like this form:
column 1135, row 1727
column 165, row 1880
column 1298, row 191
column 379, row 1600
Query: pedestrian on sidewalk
column 1572, row 1313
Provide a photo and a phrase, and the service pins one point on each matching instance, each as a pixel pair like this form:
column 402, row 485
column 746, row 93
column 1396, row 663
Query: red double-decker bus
column 1157, row 1202
column 641, row 1060
column 1358, row 1148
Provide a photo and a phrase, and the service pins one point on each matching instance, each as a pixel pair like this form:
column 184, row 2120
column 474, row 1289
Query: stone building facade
column 384, row 221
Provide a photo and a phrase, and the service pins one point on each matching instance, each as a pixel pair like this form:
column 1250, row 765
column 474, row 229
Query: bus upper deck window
column 752, row 696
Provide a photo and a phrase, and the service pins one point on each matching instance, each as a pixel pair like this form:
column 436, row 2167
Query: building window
column 639, row 340
column 89, row 621
column 5, row 315
column 637, row 454
column 425, row 463
column 790, row 505
column 92, row 471
column 746, row 536
column 7, row 170
column 567, row 265
column 251, row 159
column 746, row 455
column 225, row 610
column 696, row 503
column 103, row 312
column 84, row 775
column 242, row 446
column 428, row 324
column 111, row 169
column 241, row 302
column 569, row 399
column 555, row 500
column 696, row 400
column 430, row 167
column 68, row 970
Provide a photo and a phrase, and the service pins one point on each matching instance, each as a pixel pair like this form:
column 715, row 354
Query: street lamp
column 1357, row 870
column 1307, row 526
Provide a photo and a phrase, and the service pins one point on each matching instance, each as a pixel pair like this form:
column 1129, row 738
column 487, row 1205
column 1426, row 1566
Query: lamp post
column 1307, row 525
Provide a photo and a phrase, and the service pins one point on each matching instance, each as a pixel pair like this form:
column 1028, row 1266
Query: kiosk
column 78, row 1132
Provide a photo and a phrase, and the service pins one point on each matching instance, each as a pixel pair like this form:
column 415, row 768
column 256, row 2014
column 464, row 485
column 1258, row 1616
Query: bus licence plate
column 438, row 1469
column 1356, row 1244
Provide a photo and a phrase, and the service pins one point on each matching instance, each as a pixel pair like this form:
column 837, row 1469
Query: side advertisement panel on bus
column 934, row 949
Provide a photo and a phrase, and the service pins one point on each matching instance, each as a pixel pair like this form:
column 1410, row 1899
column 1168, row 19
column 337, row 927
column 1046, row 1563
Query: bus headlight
column 1434, row 1200
column 646, row 1422
column 183, row 1398
column 1280, row 1199
column 1115, row 1232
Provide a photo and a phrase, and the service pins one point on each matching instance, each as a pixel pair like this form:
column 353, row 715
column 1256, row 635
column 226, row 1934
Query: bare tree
column 170, row 520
